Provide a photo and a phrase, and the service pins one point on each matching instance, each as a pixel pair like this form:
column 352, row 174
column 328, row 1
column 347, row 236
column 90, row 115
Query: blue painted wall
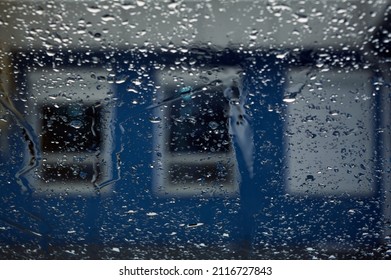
column 262, row 222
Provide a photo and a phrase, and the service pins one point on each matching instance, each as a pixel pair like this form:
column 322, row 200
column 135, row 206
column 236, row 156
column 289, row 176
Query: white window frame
column 59, row 87
column 163, row 186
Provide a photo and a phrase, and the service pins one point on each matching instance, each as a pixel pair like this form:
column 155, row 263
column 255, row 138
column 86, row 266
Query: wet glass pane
column 237, row 129
column 75, row 126
column 200, row 123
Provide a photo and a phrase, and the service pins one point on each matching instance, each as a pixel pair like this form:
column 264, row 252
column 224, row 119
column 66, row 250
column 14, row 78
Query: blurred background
column 195, row 129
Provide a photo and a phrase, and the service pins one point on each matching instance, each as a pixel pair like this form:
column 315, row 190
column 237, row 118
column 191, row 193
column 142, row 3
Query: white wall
column 154, row 24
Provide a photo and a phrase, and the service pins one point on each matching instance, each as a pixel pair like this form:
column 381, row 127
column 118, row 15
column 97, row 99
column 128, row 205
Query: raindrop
column 40, row 11
column 253, row 34
column 195, row 225
column 341, row 11
column 108, row 18
column 97, row 36
column 131, row 89
column 310, row 178
column 50, row 52
column 137, row 82
column 140, row 3
column 101, row 78
column 310, row 249
column 334, row 113
column 121, row 80
column 173, row 6
column 282, row 55
column 289, row 99
column 76, row 124
column 93, row 9
column 155, row 119
column 204, row 79
column 151, row 214
column 70, row 80
column 213, row 125
column 127, row 6
column 115, row 249
column 301, row 18
column 309, row 134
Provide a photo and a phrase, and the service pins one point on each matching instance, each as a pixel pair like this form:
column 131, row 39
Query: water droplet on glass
column 140, row 3
column 76, row 124
column 282, row 55
column 137, row 82
column 93, row 9
column 101, row 78
column 334, row 113
column 195, row 225
column 131, row 89
column 310, row 249
column 127, row 6
column 108, row 18
column 121, row 80
column 39, row 11
column 151, row 214
column 155, row 119
column 289, row 99
column 254, row 34
column 97, row 37
column 310, row 178
column 50, row 52
column 173, row 6
column 213, row 125
column 301, row 18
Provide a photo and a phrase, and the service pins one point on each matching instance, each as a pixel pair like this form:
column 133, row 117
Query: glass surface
column 74, row 126
column 200, row 123
column 231, row 129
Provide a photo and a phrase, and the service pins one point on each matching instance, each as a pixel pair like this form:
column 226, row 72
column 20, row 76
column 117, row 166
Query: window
column 329, row 132
column 70, row 115
column 194, row 147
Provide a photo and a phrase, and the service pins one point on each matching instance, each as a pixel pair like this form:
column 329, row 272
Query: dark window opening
column 199, row 123
column 71, row 128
